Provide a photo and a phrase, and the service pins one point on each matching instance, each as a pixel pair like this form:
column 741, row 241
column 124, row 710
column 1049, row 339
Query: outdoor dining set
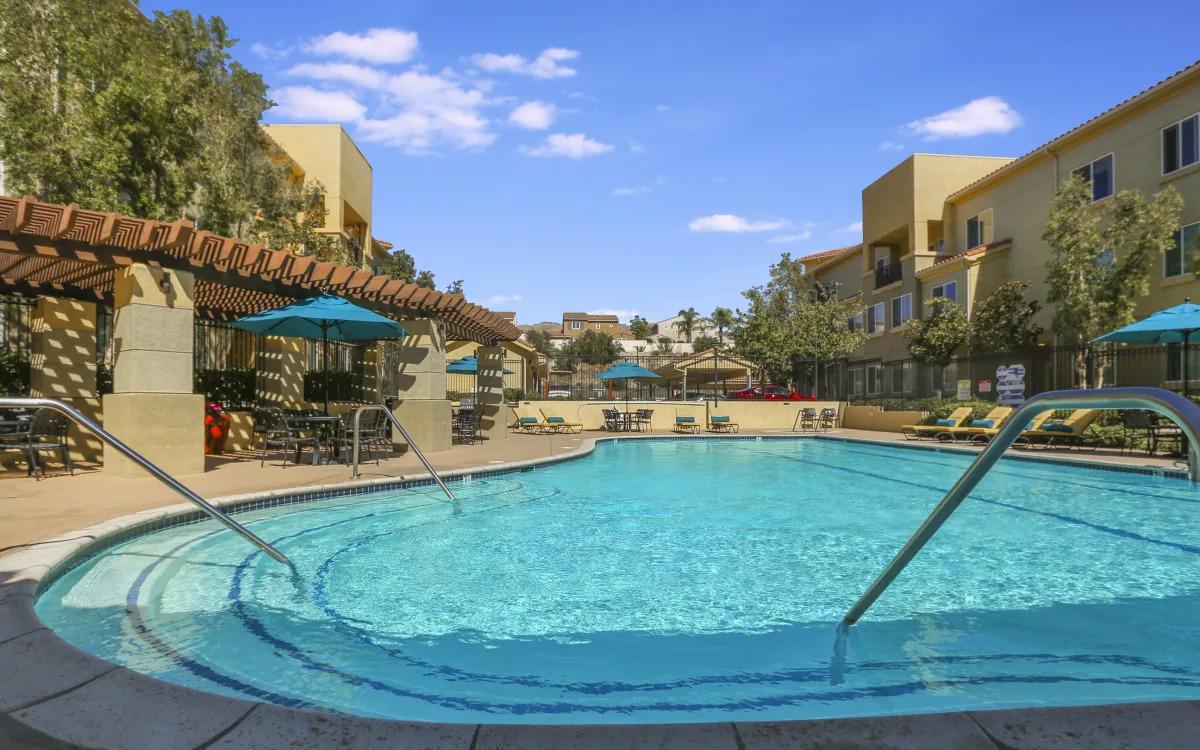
column 329, row 438
column 35, row 433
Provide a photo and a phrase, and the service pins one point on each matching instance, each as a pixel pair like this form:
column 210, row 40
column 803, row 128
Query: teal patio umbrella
column 628, row 371
column 1174, row 325
column 325, row 318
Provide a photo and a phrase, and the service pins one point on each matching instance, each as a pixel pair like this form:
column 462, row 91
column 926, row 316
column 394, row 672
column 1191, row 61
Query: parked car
column 769, row 393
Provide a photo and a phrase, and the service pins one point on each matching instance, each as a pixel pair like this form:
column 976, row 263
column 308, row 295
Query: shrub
column 233, row 388
column 14, row 374
column 343, row 386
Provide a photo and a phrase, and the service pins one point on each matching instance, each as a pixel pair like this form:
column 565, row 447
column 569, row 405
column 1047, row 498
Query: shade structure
column 627, row 371
column 323, row 318
column 1174, row 325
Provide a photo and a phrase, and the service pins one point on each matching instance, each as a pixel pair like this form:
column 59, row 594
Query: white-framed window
column 1179, row 260
column 1100, row 174
column 874, row 379
column 945, row 379
column 576, row 325
column 901, row 310
column 854, row 381
column 979, row 229
column 597, row 324
column 857, row 322
column 1181, row 144
column 949, row 290
column 900, row 378
column 875, row 322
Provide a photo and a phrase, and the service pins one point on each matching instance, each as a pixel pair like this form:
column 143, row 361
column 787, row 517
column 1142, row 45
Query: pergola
column 708, row 367
column 68, row 251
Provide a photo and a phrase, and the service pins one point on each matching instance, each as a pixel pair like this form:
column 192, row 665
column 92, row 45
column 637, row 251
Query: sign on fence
column 1010, row 385
column 964, row 390
column 985, row 386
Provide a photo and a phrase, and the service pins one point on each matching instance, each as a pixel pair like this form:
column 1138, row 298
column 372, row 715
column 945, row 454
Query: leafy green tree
column 935, row 339
column 1003, row 321
column 455, row 287
column 723, row 319
column 688, row 320
column 595, row 347
column 540, row 340
column 666, row 345
column 1097, row 272
column 639, row 327
column 399, row 264
column 425, row 279
column 704, row 342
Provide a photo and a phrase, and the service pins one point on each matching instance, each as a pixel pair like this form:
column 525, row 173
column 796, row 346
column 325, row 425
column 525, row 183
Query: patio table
column 315, row 424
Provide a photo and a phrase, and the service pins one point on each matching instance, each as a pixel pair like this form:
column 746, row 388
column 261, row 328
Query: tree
column 595, row 347
column 665, row 345
column 723, row 319
column 688, row 320
column 425, row 279
column 540, row 340
column 704, row 342
column 639, row 327
column 1003, row 322
column 935, row 339
column 455, row 287
column 1097, row 272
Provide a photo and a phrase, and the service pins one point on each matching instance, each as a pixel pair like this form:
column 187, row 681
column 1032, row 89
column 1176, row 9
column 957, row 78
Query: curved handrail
column 356, row 423
column 154, row 471
column 1185, row 413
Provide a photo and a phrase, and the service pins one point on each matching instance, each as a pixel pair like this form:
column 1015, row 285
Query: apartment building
column 960, row 226
column 669, row 328
column 574, row 324
column 327, row 154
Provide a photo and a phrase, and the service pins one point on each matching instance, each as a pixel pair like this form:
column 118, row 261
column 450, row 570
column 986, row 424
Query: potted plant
column 216, row 429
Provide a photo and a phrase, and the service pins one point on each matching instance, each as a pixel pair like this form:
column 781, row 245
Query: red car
column 769, row 393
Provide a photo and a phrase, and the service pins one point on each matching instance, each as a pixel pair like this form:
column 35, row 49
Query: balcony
column 889, row 274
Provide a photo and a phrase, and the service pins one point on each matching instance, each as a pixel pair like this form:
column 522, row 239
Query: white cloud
column 622, row 315
column 569, row 145
column 737, row 224
column 549, row 64
column 891, row 146
column 504, row 299
column 358, row 75
column 990, row 114
column 536, row 115
column 787, row 239
column 624, row 192
column 853, row 228
column 268, row 52
column 307, row 103
column 376, row 45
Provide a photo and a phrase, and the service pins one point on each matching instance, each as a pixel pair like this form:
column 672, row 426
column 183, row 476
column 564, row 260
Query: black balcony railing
column 889, row 274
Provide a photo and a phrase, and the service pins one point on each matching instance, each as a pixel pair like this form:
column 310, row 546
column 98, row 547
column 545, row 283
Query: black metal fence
column 226, row 364
column 336, row 371
column 16, row 344
column 517, row 377
column 683, row 377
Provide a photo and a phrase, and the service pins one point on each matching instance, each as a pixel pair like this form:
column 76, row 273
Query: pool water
column 672, row 581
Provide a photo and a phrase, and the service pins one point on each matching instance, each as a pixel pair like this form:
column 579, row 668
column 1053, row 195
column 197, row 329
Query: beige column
column 283, row 368
column 494, row 421
column 423, row 408
column 63, row 363
column 152, row 406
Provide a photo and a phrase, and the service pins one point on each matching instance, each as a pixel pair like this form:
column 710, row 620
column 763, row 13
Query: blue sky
column 645, row 157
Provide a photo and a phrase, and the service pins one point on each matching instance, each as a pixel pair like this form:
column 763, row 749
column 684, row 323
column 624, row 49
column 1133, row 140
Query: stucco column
column 282, row 366
column 493, row 424
column 63, row 363
column 152, row 406
column 423, row 408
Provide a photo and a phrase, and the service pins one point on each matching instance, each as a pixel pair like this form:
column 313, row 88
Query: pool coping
column 73, row 697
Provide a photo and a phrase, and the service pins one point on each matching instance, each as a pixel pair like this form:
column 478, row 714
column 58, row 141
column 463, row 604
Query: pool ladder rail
column 1185, row 413
column 108, row 438
column 356, row 429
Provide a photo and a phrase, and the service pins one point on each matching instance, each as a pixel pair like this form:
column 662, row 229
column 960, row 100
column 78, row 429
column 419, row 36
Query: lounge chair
column 974, row 427
column 529, row 423
column 1068, row 432
column 918, row 431
column 559, row 423
column 721, row 423
column 685, row 423
column 985, row 434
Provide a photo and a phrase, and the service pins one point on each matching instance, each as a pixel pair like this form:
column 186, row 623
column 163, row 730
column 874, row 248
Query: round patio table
column 316, row 424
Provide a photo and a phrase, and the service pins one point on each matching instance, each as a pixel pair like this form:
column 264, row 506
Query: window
column 1178, row 260
column 857, row 322
column 979, row 229
column 576, row 325
column 899, row 379
column 949, row 290
column 875, row 322
column 901, row 310
column 854, row 381
column 597, row 324
column 1181, row 144
column 1100, row 174
column 1175, row 363
column 946, row 380
column 874, row 379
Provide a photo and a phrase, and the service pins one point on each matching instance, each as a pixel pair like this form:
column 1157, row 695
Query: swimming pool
column 672, row 581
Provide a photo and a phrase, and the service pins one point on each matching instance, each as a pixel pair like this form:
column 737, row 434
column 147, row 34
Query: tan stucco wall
column 874, row 418
column 750, row 415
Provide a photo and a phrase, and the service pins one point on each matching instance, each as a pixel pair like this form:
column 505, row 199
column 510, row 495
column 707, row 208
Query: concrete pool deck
column 66, row 698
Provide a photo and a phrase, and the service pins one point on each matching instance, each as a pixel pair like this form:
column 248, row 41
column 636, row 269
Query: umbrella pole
column 1186, row 374
column 325, row 361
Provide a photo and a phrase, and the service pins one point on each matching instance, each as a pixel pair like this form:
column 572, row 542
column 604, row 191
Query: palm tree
column 722, row 318
column 687, row 322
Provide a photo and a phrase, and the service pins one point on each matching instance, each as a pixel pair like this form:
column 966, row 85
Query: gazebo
column 708, row 368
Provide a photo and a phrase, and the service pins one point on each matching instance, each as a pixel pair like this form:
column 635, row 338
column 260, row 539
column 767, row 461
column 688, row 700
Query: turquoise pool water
column 672, row 581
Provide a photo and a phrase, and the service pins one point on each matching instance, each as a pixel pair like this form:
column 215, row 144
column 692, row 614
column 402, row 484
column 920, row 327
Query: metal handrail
column 356, row 423
column 1185, row 413
column 154, row 471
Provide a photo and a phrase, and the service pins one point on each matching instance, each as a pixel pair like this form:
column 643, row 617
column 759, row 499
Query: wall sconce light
column 165, row 283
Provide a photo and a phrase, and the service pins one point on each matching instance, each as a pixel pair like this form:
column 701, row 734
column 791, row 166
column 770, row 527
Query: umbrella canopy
column 627, row 371
column 322, row 318
column 1174, row 325
column 468, row 365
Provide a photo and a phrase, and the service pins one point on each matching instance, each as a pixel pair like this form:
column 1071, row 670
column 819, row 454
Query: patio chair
column 919, row 431
column 721, row 423
column 828, row 419
column 527, row 422
column 559, row 423
column 975, row 427
column 685, row 423
column 1068, row 432
column 613, row 420
column 45, row 432
column 808, row 419
column 642, row 419
column 279, row 435
column 373, row 436
column 466, row 427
